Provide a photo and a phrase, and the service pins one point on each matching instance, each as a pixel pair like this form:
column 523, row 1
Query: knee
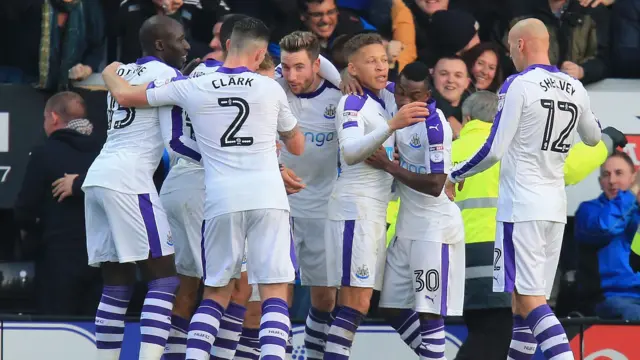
column 241, row 292
column 268, row 291
column 252, row 316
column 525, row 304
column 356, row 298
column 186, row 297
column 323, row 299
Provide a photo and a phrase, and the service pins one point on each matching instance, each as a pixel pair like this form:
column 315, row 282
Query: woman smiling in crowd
column 484, row 66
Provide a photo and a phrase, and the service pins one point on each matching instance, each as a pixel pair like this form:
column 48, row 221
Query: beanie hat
column 452, row 30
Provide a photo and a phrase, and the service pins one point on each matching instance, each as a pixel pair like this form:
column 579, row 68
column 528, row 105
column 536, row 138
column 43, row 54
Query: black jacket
column 580, row 35
column 62, row 223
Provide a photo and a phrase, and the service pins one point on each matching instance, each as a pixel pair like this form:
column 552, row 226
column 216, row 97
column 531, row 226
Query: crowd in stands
column 51, row 44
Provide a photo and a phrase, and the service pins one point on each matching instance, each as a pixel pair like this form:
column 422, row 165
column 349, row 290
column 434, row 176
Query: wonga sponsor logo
column 320, row 138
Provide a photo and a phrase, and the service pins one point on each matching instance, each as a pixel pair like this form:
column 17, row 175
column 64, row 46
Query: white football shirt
column 539, row 113
column 425, row 148
column 185, row 173
column 318, row 165
column 361, row 191
column 236, row 115
column 134, row 143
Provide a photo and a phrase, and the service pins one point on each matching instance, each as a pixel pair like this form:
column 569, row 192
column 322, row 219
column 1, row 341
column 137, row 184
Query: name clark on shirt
column 232, row 81
column 550, row 83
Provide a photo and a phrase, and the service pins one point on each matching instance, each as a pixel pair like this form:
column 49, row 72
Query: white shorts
column 125, row 227
column 426, row 276
column 311, row 250
column 268, row 242
column 255, row 291
column 356, row 252
column 185, row 214
column 526, row 256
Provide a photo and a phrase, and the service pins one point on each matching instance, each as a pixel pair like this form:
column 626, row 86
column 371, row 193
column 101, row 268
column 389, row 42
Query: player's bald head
column 154, row 29
column 533, row 33
column 529, row 43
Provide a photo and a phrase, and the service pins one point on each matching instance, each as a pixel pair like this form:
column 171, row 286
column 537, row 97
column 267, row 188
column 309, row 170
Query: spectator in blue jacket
column 604, row 230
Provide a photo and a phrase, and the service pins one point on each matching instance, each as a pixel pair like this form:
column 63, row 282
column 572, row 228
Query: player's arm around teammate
column 411, row 88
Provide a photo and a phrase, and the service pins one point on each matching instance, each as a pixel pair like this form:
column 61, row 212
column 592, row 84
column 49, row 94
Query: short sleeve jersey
column 188, row 174
column 134, row 145
column 425, row 148
column 318, row 165
column 539, row 113
column 236, row 116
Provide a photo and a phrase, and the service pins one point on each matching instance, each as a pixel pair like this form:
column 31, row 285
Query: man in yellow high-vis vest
column 487, row 314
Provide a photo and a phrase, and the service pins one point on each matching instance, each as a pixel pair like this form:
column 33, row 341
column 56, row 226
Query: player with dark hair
column 245, row 195
column 182, row 196
column 220, row 35
column 357, row 206
column 126, row 224
column 425, row 266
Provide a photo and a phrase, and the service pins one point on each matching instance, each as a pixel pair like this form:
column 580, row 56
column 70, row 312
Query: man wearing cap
column 450, row 32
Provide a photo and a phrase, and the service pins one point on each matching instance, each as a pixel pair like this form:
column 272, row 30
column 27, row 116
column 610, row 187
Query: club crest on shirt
column 415, row 141
column 330, row 112
column 362, row 272
column 501, row 101
column 169, row 239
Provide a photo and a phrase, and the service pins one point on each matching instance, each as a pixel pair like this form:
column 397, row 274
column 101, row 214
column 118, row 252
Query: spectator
column 325, row 20
column 393, row 20
column 626, row 32
column 442, row 32
column 483, row 62
column 66, row 285
column 451, row 80
column 604, row 230
column 487, row 314
column 579, row 37
column 215, row 44
column 403, row 30
column 454, row 31
column 58, row 41
column 190, row 14
column 271, row 12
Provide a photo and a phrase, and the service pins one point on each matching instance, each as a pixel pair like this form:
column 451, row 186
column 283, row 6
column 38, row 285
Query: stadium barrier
column 35, row 338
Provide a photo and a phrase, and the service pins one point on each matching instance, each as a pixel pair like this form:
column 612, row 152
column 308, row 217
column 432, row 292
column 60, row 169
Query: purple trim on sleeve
column 176, row 131
column 435, row 136
column 391, row 87
column 349, row 124
column 354, row 102
column 486, row 147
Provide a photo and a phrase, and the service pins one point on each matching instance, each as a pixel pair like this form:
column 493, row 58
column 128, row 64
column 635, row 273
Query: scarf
column 83, row 126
